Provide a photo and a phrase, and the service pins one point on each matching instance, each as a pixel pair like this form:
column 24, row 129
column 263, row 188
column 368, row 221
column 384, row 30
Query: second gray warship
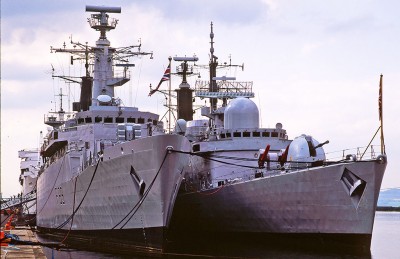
column 246, row 181
column 29, row 166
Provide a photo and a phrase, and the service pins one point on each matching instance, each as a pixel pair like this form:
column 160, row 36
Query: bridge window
column 88, row 120
column 119, row 120
column 108, row 120
column 98, row 119
column 265, row 134
column 274, row 134
column 130, row 120
column 140, row 120
column 81, row 120
column 256, row 134
column 228, row 135
column 246, row 134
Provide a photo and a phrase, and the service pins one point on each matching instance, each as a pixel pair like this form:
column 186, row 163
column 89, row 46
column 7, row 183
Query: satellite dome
column 241, row 113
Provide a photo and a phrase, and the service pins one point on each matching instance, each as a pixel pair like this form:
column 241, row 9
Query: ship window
column 81, row 120
column 265, row 134
column 196, row 148
column 119, row 120
column 149, row 120
column 222, row 135
column 246, row 134
column 256, row 134
column 98, row 119
column 228, row 134
column 237, row 134
column 108, row 120
column 55, row 134
column 274, row 134
column 155, row 122
column 130, row 120
column 88, row 119
column 140, row 120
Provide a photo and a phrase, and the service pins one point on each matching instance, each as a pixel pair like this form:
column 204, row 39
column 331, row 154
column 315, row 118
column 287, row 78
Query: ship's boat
column 110, row 173
column 255, row 183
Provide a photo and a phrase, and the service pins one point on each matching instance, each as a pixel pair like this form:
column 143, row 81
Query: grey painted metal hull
column 304, row 202
column 113, row 193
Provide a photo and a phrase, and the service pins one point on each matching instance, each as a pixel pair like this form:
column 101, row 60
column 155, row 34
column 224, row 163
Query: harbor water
column 385, row 241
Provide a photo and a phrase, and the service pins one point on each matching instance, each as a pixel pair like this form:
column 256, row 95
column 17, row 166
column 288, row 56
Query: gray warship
column 109, row 176
column 29, row 169
column 24, row 204
column 253, row 183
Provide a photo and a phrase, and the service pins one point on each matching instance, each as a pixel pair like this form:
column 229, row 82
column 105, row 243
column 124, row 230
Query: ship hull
column 311, row 204
column 29, row 208
column 125, row 241
column 127, row 196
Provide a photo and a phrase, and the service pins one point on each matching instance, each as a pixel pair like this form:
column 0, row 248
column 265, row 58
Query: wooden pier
column 22, row 251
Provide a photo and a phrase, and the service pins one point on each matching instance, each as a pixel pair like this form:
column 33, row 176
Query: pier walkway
column 23, row 251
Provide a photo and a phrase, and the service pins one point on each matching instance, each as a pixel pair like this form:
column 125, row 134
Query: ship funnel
column 184, row 93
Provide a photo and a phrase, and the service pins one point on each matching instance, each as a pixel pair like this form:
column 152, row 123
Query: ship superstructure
column 108, row 171
column 246, row 181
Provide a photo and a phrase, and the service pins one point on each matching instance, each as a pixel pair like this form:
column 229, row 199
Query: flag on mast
column 380, row 102
column 165, row 77
column 380, row 98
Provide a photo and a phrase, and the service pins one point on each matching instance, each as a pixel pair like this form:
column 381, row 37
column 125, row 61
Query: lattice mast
column 102, row 57
column 221, row 87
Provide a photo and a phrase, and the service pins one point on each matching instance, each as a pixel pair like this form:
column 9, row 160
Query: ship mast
column 213, row 71
column 220, row 88
column 56, row 118
column 103, row 80
column 103, row 57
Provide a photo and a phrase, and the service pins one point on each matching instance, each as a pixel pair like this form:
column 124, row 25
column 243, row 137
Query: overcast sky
column 315, row 65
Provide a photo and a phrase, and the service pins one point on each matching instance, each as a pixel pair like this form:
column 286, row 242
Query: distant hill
column 389, row 197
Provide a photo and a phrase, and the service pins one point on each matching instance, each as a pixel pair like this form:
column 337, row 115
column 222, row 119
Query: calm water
column 385, row 245
column 386, row 235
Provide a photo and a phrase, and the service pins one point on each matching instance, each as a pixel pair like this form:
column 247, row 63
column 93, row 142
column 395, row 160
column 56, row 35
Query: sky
column 315, row 65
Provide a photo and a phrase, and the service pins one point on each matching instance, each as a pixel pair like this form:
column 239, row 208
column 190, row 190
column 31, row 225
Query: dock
column 22, row 251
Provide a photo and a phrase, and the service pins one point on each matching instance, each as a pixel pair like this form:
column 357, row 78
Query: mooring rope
column 48, row 197
column 141, row 200
column 84, row 196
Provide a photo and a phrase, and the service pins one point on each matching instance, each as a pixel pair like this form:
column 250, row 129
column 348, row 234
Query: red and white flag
column 166, row 77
